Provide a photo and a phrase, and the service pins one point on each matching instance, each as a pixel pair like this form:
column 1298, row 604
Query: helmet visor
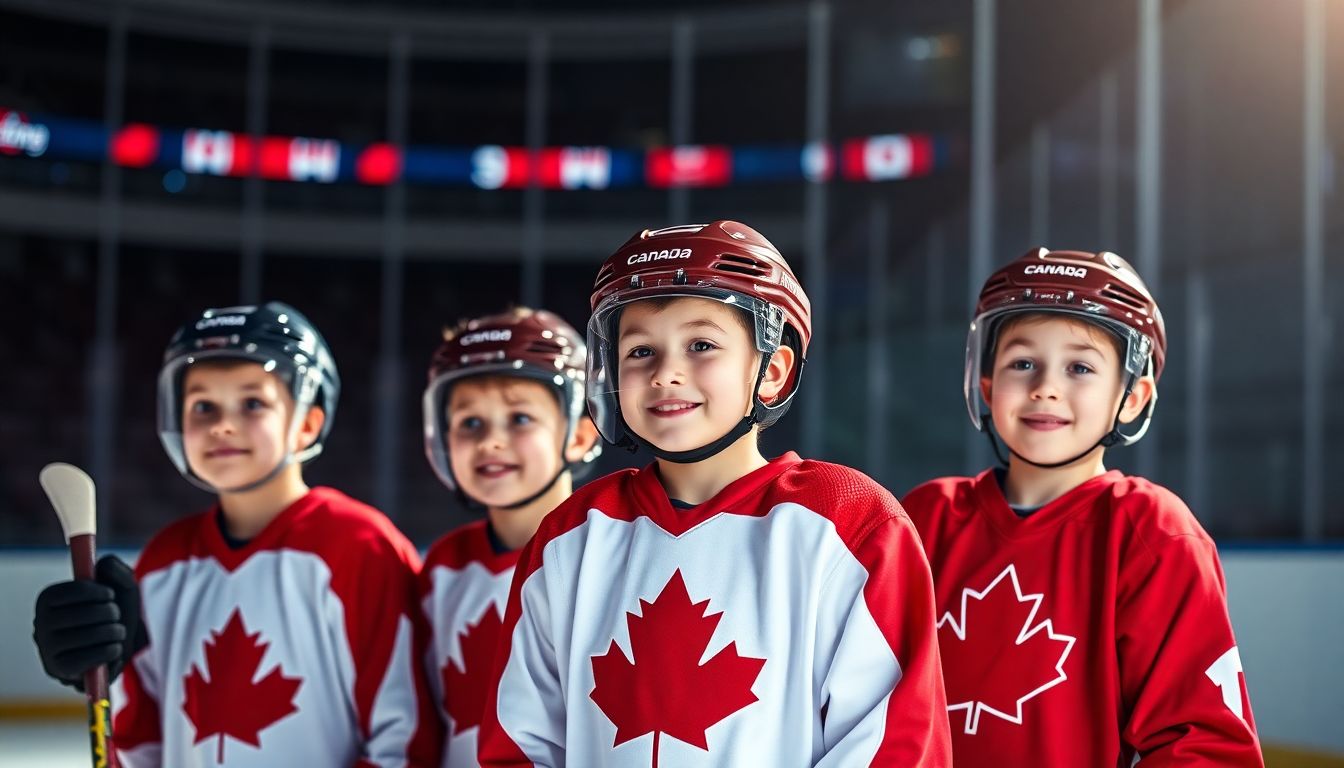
column 171, row 398
column 982, row 338
column 435, row 416
column 767, row 322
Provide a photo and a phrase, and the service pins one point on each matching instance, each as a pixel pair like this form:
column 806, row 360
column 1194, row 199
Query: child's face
column 505, row 437
column 1055, row 387
column 685, row 371
column 234, row 422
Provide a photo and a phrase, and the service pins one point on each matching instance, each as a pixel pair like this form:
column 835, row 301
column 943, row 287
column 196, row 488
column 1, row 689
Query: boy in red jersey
column 715, row 608
column 1082, row 613
column 505, row 428
column 277, row 627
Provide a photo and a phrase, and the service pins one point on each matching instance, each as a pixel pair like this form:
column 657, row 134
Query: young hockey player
column 275, row 628
column 714, row 608
column 505, row 428
column 1082, row 612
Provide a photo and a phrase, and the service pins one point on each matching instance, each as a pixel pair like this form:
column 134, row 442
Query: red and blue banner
column 327, row 161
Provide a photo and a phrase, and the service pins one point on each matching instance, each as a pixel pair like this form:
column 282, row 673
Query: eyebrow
column 194, row 388
column 1074, row 347
column 692, row 324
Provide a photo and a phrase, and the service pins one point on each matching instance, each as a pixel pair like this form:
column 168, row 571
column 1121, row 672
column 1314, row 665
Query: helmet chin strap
column 742, row 427
column 269, row 476
column 565, row 466
column 703, row 452
column 475, row 504
column 1111, row 438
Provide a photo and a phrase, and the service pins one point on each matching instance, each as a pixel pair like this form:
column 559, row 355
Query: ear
column 585, row 437
column 987, row 389
column 778, row 374
column 310, row 427
column 1144, row 390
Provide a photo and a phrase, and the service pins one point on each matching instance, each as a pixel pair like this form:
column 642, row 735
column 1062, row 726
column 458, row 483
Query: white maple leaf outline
column 975, row 708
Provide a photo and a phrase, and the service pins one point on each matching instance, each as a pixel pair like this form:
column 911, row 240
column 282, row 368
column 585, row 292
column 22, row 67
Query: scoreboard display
column 325, row 161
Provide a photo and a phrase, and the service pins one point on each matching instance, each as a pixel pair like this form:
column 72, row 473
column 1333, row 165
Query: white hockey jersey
column 297, row 649
column 787, row 621
column 464, row 588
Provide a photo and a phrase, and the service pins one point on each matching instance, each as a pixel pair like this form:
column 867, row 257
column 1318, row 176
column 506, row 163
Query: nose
column 222, row 425
column 1045, row 386
column 669, row 372
column 495, row 437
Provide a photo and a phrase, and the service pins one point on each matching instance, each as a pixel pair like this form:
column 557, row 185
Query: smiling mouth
column 494, row 470
column 671, row 410
column 224, row 453
column 1045, row 423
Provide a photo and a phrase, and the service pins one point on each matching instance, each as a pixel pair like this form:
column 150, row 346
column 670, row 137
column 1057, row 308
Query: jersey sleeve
column 427, row 654
column 388, row 638
column 526, row 681
column 1180, row 671
column 136, row 730
column 893, row 712
column 137, row 726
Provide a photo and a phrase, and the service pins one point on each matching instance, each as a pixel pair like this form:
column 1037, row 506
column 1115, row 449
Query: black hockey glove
column 79, row 625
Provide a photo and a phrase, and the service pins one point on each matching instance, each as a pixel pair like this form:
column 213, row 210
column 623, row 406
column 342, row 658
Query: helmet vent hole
column 1124, row 296
column 745, row 260
column 738, row 269
column 742, row 265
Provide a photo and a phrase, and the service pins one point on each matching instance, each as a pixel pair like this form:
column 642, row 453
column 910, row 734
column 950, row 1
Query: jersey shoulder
column 467, row 544
column 337, row 526
column 174, row 542
column 608, row 493
column 850, row 499
column 457, row 547
column 1154, row 513
column 940, row 496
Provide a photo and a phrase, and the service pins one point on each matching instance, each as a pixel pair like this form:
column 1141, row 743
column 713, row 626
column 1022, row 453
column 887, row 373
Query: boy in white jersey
column 277, row 628
column 505, row 428
column 1082, row 612
column 714, row 608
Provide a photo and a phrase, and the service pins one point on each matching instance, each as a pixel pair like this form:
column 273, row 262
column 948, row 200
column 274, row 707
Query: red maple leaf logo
column 465, row 687
column 230, row 703
column 995, row 659
column 666, row 689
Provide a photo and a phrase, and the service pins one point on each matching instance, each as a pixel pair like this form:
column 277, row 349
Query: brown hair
column 1020, row 318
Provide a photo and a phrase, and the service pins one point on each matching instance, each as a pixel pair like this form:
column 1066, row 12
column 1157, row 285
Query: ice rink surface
column 44, row 744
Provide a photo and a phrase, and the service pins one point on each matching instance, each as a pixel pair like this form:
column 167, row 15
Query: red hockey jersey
column 787, row 621
column 464, row 587
column 299, row 648
column 1089, row 632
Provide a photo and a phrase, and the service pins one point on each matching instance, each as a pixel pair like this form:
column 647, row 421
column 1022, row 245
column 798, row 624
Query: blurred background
column 391, row 169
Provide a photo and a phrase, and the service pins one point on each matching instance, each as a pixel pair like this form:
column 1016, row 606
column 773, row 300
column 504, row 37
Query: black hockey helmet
column 275, row 335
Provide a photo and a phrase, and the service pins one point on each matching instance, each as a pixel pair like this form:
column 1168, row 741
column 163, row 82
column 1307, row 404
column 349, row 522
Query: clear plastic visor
column 171, row 399
column 982, row 337
column 435, row 416
column 603, row 342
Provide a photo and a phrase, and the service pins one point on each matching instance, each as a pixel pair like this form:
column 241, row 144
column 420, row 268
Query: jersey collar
column 740, row 497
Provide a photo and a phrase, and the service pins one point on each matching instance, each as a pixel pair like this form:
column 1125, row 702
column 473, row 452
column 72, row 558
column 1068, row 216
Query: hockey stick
column 72, row 496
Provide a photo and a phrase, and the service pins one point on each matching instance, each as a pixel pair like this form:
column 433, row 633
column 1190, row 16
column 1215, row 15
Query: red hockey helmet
column 1101, row 288
column 527, row 343
column 725, row 261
